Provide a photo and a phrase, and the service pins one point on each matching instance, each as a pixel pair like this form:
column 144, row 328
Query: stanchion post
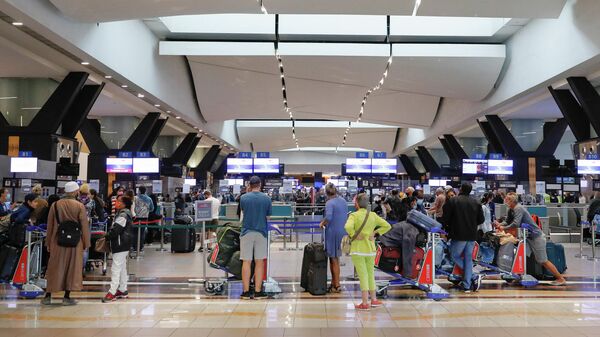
column 581, row 255
column 593, row 230
column 204, row 248
column 139, row 237
column 28, row 256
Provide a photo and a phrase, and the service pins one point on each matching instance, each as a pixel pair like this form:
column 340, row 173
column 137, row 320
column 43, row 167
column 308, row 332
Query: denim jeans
column 462, row 255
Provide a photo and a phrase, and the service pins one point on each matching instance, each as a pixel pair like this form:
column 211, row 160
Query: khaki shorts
column 538, row 247
column 253, row 246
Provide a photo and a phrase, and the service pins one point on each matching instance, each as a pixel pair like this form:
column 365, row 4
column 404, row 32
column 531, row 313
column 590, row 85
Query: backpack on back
column 537, row 220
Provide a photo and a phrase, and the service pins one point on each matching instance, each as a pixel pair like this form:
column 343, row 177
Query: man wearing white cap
column 67, row 237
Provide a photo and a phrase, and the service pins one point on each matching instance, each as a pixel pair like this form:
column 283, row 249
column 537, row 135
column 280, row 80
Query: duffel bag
column 422, row 221
column 228, row 242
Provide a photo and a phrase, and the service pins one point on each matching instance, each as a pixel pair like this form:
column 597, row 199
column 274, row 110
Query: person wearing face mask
column 113, row 200
column 65, row 265
column 5, row 207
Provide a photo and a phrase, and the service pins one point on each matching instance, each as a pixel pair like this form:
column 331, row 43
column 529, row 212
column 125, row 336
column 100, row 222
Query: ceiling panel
column 381, row 7
column 18, row 62
column 493, row 8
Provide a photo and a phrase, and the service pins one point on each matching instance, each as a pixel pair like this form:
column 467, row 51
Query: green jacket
column 374, row 224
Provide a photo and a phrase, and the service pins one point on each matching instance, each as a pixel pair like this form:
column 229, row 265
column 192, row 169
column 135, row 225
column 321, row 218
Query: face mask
column 414, row 207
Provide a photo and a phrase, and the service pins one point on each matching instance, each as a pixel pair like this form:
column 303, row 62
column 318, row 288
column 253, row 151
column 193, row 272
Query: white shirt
column 216, row 206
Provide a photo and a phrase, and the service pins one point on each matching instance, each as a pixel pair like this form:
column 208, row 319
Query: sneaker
column 376, row 304
column 477, row 283
column 122, row 294
column 558, row 283
column 68, row 302
column 46, row 301
column 467, row 291
column 109, row 298
column 246, row 295
column 261, row 295
column 362, row 307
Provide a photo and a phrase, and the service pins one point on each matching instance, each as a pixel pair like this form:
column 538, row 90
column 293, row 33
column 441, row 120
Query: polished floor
column 173, row 304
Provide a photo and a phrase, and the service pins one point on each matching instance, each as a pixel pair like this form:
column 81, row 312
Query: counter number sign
column 203, row 210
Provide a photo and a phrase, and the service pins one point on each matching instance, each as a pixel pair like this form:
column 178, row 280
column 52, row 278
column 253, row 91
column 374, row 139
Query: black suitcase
column 9, row 259
column 314, row 269
column 183, row 240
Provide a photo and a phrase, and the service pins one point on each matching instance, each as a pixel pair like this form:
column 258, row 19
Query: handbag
column 102, row 245
column 347, row 241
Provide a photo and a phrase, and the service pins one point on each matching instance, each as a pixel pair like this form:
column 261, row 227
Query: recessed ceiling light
column 107, row 76
column 201, row 130
column 17, row 23
column 157, row 105
column 178, row 117
column 123, row 85
column 140, row 95
column 85, row 63
column 168, row 111
column 9, row 97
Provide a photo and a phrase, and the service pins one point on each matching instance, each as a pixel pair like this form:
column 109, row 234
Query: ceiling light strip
column 286, row 108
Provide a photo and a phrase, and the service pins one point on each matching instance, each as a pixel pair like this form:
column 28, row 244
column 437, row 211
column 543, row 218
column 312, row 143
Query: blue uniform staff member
column 462, row 216
column 255, row 207
column 535, row 237
column 336, row 214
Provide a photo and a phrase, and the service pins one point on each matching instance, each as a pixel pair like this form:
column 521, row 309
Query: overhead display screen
column 146, row 165
column 23, row 164
column 266, row 165
column 358, row 165
column 500, row 167
column 119, row 165
column 383, row 166
column 239, row 165
column 587, row 166
column 475, row 166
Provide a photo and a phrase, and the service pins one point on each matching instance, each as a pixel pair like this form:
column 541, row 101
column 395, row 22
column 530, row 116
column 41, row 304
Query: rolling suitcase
column 314, row 269
column 183, row 240
column 505, row 257
column 556, row 255
column 9, row 259
column 422, row 221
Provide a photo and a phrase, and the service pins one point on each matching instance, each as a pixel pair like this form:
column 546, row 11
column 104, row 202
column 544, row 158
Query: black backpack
column 69, row 232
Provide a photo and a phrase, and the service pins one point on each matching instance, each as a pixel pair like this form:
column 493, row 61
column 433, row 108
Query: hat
column 71, row 186
column 254, row 180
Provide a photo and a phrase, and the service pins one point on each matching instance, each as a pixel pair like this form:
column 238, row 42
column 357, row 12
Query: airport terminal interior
column 272, row 168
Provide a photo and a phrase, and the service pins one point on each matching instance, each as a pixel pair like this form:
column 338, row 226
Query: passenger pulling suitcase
column 183, row 240
column 314, row 269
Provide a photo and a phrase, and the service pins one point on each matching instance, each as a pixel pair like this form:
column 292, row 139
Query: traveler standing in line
column 409, row 191
column 335, row 217
column 362, row 248
column 420, row 196
column 143, row 207
column 255, row 207
column 120, row 241
column 536, row 240
column 84, row 194
column 22, row 214
column 450, row 194
column 462, row 216
column 66, row 263
column 113, row 199
column 486, row 226
column 438, row 205
column 215, row 205
column 5, row 209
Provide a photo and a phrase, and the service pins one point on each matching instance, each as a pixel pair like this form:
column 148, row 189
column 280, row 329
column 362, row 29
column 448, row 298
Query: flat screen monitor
column 500, row 167
column 587, row 166
column 190, row 181
column 119, row 165
column 239, row 165
column 146, row 165
column 475, row 166
column 232, row 182
column 386, row 166
column 358, row 165
column 266, row 165
column 23, row 164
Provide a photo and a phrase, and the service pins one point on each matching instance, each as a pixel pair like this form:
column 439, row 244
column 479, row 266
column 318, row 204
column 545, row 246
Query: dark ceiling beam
column 588, row 98
column 448, row 149
column 455, row 147
column 153, row 135
column 53, row 112
column 141, row 133
column 90, row 130
column 427, row 159
column 573, row 113
column 494, row 145
column 509, row 144
column 553, row 133
column 80, row 109
column 191, row 150
column 179, row 155
column 409, row 167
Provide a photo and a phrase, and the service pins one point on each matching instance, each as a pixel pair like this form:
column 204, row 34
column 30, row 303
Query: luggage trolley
column 518, row 272
column 98, row 230
column 28, row 275
column 425, row 281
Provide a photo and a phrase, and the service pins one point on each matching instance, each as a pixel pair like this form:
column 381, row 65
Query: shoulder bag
column 69, row 232
column 347, row 241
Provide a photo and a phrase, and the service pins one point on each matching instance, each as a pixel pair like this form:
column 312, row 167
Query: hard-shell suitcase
column 314, row 269
column 9, row 259
column 506, row 256
column 556, row 255
column 422, row 221
column 183, row 240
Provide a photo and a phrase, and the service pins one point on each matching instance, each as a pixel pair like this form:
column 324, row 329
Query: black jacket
column 462, row 215
column 593, row 210
column 120, row 232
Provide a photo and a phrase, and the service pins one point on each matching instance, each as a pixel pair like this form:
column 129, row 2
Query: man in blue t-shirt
column 255, row 207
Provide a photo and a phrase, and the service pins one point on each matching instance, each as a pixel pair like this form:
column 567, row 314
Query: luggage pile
column 12, row 243
column 183, row 240
column 226, row 254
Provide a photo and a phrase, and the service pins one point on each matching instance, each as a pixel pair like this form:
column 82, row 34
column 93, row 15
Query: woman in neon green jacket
column 363, row 249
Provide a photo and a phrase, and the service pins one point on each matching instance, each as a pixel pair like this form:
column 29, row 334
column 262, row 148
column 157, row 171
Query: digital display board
column 119, row 165
column 587, row 166
column 500, row 167
column 239, row 165
column 23, row 165
column 146, row 165
column 358, row 165
column 475, row 166
column 266, row 165
column 383, row 166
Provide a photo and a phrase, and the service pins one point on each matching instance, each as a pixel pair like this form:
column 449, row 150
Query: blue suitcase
column 422, row 221
column 556, row 255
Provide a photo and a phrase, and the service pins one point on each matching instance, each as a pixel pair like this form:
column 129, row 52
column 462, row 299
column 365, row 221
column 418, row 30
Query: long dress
column 65, row 266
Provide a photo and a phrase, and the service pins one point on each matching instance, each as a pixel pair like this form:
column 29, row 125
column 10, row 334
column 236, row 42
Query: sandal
column 334, row 290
